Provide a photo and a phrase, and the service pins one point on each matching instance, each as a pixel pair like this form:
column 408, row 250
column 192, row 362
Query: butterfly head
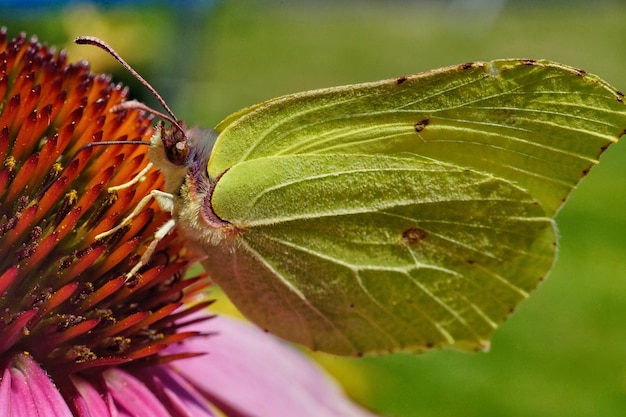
column 173, row 139
column 180, row 146
column 180, row 153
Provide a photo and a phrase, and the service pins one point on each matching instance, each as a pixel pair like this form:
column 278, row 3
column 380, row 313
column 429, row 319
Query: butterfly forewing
column 538, row 124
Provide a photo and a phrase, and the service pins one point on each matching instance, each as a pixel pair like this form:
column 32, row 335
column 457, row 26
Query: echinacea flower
column 78, row 335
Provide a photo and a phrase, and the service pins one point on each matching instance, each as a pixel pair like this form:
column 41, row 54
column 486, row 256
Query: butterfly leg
column 137, row 178
column 166, row 202
column 144, row 201
column 159, row 235
column 128, row 219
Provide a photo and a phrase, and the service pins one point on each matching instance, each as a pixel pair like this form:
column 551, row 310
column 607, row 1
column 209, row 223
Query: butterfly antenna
column 134, row 104
column 92, row 40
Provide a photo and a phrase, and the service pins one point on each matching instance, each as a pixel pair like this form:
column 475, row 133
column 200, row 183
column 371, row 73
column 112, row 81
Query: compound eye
column 175, row 144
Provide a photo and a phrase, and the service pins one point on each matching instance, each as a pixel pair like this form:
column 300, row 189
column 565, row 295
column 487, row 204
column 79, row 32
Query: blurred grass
column 563, row 353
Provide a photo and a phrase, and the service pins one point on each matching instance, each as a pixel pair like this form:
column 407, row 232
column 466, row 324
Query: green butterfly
column 396, row 215
column 403, row 214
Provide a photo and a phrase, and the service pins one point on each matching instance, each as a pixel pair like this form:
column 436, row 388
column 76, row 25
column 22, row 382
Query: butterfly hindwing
column 376, row 253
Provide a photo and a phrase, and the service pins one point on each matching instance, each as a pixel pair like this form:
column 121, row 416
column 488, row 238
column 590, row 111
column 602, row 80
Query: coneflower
column 77, row 335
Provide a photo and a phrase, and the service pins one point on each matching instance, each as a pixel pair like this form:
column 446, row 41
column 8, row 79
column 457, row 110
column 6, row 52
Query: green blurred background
column 563, row 353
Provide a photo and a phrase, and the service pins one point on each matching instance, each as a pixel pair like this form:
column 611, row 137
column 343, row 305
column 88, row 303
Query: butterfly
column 398, row 215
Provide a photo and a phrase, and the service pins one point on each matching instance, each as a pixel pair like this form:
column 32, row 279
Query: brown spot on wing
column 421, row 125
column 413, row 236
column 580, row 72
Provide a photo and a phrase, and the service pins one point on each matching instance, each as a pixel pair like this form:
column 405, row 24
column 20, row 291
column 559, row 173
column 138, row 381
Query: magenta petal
column 181, row 397
column 131, row 396
column 89, row 402
column 26, row 391
column 5, row 392
column 248, row 372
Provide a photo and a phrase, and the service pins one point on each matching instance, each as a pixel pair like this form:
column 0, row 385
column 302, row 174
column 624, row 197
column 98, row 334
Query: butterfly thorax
column 183, row 157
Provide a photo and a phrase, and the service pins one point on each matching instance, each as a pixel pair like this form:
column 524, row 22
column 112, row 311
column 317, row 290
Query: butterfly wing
column 407, row 213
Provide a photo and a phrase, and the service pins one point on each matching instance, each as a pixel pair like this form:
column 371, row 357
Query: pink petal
column 5, row 393
column 26, row 390
column 131, row 396
column 248, row 372
column 181, row 397
column 89, row 401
